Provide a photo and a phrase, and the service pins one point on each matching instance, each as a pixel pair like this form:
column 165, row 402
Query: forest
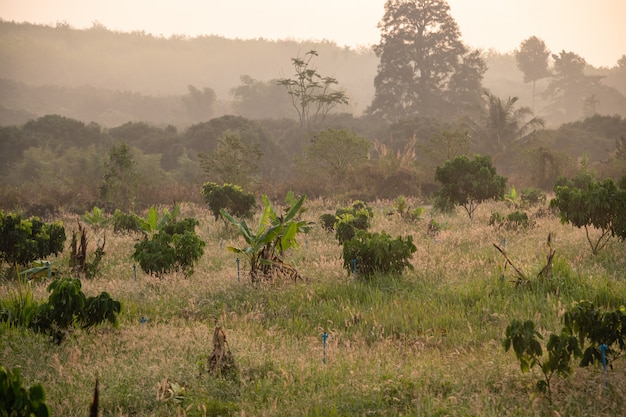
column 68, row 97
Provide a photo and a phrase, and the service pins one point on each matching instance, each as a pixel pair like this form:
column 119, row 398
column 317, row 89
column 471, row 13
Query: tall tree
column 504, row 123
column 532, row 60
column 312, row 95
column 120, row 179
column 420, row 52
column 232, row 161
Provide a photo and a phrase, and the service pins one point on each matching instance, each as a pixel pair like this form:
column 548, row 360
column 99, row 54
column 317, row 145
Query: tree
column 468, row 183
column 504, row 123
column 424, row 67
column 199, row 103
column 569, row 86
column 601, row 205
column 260, row 100
column 312, row 95
column 532, row 60
column 232, row 161
column 337, row 152
column 228, row 197
column 120, row 179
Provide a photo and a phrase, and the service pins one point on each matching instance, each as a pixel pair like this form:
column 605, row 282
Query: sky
column 595, row 30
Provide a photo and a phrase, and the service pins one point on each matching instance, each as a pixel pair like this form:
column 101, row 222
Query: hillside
column 112, row 77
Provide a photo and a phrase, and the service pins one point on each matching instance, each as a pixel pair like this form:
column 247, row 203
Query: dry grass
column 427, row 343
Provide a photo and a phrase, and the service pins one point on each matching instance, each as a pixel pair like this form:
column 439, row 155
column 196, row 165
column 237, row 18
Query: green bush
column 123, row 222
column 175, row 247
column 349, row 219
column 328, row 220
column 67, row 307
column 377, row 253
column 230, row 198
column 25, row 240
column 533, row 197
column 513, row 221
column 18, row 401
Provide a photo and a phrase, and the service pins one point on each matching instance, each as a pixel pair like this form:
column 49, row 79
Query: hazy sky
column 596, row 29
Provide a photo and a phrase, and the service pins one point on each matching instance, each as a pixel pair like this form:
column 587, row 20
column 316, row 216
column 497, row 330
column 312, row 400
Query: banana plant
column 274, row 236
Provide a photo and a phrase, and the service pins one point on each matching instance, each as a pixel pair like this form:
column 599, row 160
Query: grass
column 427, row 343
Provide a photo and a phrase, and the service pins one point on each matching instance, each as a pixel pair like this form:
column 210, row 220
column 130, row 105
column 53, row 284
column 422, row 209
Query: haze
column 591, row 29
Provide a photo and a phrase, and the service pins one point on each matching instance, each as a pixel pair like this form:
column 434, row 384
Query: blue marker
column 324, row 337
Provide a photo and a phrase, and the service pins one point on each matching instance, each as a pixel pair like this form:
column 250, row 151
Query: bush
column 512, row 221
column 230, row 198
column 532, row 197
column 16, row 400
column 349, row 219
column 377, row 253
column 123, row 222
column 67, row 306
column 328, row 220
column 23, row 241
column 175, row 247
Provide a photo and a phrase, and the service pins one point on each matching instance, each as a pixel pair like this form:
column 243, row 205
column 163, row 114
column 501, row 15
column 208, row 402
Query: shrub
column 513, row 221
column 67, row 306
column 228, row 197
column 532, row 197
column 23, row 241
column 349, row 219
column 175, row 247
column 377, row 253
column 15, row 400
column 327, row 221
column 123, row 222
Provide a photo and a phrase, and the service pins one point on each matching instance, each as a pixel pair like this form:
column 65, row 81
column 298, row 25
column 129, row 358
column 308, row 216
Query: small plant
column 531, row 197
column 400, row 206
column 228, row 197
column 377, row 253
column 327, row 221
column 275, row 235
column 434, row 227
column 95, row 218
column 78, row 254
column 597, row 328
column 513, row 221
column 15, row 400
column 526, row 344
column 511, row 199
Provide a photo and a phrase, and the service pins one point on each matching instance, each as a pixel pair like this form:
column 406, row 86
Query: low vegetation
column 422, row 339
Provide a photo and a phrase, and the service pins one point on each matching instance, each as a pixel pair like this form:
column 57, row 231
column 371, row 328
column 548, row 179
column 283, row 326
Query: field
column 427, row 343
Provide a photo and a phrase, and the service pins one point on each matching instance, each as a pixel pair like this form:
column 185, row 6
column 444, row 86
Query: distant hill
column 112, row 77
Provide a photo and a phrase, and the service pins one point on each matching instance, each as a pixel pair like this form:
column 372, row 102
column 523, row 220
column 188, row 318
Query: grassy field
column 428, row 343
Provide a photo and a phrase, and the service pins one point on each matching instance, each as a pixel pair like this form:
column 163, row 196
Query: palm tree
column 505, row 124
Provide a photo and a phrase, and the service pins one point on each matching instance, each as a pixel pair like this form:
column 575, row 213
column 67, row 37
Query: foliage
column 512, row 221
column 95, row 218
column 24, row 240
column 125, row 222
column 17, row 401
column 274, row 236
column 67, row 307
column 20, row 307
column 232, row 160
column 337, row 152
column 532, row 60
column 120, row 181
column 327, row 221
column 424, row 67
column 526, row 344
column 312, row 95
column 174, row 247
column 405, row 212
column 349, row 219
column 78, row 254
column 597, row 328
column 511, row 199
column 601, row 205
column 228, row 197
column 503, row 124
column 531, row 197
column 468, row 183
column 377, row 253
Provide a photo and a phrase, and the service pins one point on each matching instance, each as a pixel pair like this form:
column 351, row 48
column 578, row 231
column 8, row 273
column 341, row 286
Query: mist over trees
column 183, row 111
